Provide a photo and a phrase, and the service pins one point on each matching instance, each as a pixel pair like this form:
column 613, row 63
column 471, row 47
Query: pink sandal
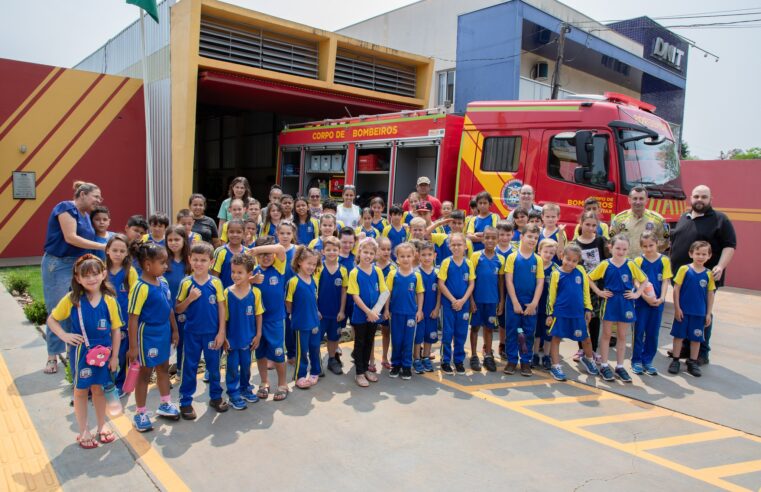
column 313, row 380
column 303, row 383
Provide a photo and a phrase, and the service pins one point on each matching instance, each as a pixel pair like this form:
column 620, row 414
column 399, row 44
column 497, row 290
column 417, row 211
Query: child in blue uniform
column 551, row 230
column 520, row 221
column 504, row 248
column 237, row 211
column 488, row 297
column 244, row 331
column 221, row 264
column 365, row 228
column 694, row 290
column 547, row 251
column 383, row 261
column 331, row 301
column 524, row 277
column 269, row 276
column 618, row 275
column 202, row 299
column 158, row 223
column 101, row 220
column 456, row 283
column 396, row 231
column 308, row 229
column 569, row 309
column 90, row 306
column 272, row 219
column 122, row 276
column 185, row 219
column 301, row 303
column 426, row 332
column 286, row 235
column 484, row 218
column 404, row 309
column 456, row 222
column 152, row 331
column 367, row 285
column 377, row 205
column 657, row 267
column 327, row 229
column 178, row 249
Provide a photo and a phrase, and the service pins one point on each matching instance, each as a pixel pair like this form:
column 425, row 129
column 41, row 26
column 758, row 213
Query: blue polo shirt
column 55, row 244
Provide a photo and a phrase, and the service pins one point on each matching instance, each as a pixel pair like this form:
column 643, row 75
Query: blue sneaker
column 623, row 375
column 206, row 376
column 637, row 368
column 607, row 373
column 168, row 410
column 589, row 366
column 427, row 364
column 142, row 422
column 650, row 370
column 557, row 373
column 417, row 364
column 249, row 396
column 238, row 403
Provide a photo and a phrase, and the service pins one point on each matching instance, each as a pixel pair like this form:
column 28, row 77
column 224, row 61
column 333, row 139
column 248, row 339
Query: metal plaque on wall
column 24, row 185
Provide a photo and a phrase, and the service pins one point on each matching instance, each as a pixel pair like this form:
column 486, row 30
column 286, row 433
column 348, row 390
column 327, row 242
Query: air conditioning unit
column 540, row 71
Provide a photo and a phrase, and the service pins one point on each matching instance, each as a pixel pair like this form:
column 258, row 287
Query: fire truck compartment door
column 415, row 158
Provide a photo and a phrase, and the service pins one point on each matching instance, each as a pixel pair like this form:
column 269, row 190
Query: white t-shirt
column 349, row 216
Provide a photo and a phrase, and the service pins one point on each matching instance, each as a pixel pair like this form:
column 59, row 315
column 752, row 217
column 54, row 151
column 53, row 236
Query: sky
column 723, row 105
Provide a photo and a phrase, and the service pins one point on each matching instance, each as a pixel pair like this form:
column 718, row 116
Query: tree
column 751, row 153
column 684, row 151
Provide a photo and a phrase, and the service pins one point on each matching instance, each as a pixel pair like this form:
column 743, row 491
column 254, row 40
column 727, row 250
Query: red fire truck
column 567, row 150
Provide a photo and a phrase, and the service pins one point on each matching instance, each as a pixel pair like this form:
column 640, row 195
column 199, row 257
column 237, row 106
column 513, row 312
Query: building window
column 501, row 154
column 445, row 93
column 562, row 162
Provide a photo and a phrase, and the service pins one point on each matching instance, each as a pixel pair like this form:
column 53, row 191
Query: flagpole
column 148, row 147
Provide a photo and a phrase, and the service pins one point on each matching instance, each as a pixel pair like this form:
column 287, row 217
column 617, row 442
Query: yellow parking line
column 667, row 442
column 512, row 384
column 562, row 399
column 24, row 463
column 612, row 419
column 732, row 469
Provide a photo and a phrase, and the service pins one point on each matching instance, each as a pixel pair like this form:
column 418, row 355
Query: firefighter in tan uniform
column 636, row 220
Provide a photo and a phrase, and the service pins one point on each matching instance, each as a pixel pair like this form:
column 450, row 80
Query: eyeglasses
column 314, row 196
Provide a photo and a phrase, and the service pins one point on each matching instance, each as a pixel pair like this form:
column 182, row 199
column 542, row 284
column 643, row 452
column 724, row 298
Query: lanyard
column 82, row 325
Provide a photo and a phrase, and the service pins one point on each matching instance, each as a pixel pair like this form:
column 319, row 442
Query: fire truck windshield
column 655, row 166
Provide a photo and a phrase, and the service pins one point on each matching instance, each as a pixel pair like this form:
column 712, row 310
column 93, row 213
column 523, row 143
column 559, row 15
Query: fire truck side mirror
column 585, row 147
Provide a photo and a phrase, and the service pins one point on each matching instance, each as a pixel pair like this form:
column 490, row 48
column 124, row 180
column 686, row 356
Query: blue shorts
column 618, row 309
column 691, row 328
column 85, row 375
column 272, row 344
column 570, row 328
column 427, row 331
column 154, row 343
column 485, row 315
column 331, row 328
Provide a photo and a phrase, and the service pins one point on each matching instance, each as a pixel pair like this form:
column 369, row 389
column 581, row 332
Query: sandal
column 263, row 393
column 386, row 365
column 51, row 367
column 371, row 367
column 89, row 443
column 281, row 393
column 303, row 383
column 106, row 436
column 219, row 405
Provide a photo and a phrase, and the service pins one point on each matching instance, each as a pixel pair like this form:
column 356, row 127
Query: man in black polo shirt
column 703, row 223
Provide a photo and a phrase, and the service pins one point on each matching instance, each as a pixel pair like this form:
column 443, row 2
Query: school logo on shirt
column 181, row 318
column 249, row 310
column 433, row 335
column 624, row 277
column 168, row 296
column 434, row 287
column 660, row 277
column 122, row 288
column 465, row 316
column 698, row 332
column 411, row 287
column 338, row 282
column 578, row 280
column 411, row 323
column 703, row 283
column 278, row 352
column 85, row 373
column 315, row 330
column 153, row 352
column 629, row 315
column 577, row 333
column 496, row 270
column 102, row 324
column 465, row 276
column 377, row 288
column 533, row 268
column 212, row 299
column 274, row 281
column 211, row 345
column 310, row 229
column 493, row 320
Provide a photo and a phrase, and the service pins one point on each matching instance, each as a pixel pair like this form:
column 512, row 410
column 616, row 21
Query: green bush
column 67, row 372
column 36, row 312
column 17, row 284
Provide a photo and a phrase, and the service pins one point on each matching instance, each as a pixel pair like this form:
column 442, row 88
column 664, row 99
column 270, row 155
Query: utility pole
column 564, row 29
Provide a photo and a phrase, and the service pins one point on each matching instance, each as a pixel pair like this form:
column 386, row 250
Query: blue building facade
column 492, row 41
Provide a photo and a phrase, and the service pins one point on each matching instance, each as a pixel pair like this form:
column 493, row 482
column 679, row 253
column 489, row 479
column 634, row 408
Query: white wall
column 573, row 80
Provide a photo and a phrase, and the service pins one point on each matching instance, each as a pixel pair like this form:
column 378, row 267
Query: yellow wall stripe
column 26, row 102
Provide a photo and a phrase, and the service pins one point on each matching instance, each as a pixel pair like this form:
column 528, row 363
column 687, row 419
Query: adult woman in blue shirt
column 69, row 235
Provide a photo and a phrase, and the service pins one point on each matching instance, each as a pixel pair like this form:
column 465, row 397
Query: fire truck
column 567, row 150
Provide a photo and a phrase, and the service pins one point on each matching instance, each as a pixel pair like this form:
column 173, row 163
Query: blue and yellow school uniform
column 441, row 242
column 371, row 232
column 427, row 330
column 306, row 322
column 122, row 299
column 147, row 238
column 290, row 334
column 268, row 230
column 457, row 279
column 152, row 304
column 407, row 217
column 516, row 242
column 241, row 314
column 558, row 236
column 330, row 286
column 386, row 270
column 541, row 311
column 222, row 264
column 173, row 276
column 101, row 323
column 618, row 280
column 317, row 244
column 101, row 253
column 602, row 230
column 403, row 308
column 526, row 273
column 648, row 324
column 396, row 236
column 368, row 286
column 194, row 237
column 479, row 224
column 693, row 301
column 308, row 231
column 348, row 262
column 567, row 302
column 201, row 328
column 486, row 290
column 379, row 225
column 504, row 255
column 272, row 288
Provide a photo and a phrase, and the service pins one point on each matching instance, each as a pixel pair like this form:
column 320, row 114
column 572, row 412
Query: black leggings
column 594, row 332
column 364, row 338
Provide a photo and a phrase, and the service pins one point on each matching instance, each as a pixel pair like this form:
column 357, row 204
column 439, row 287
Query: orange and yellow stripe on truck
column 671, row 210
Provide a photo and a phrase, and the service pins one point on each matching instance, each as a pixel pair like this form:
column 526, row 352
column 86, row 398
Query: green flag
column 149, row 6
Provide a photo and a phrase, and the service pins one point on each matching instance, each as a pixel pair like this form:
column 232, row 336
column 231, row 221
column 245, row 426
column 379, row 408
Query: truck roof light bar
column 624, row 99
